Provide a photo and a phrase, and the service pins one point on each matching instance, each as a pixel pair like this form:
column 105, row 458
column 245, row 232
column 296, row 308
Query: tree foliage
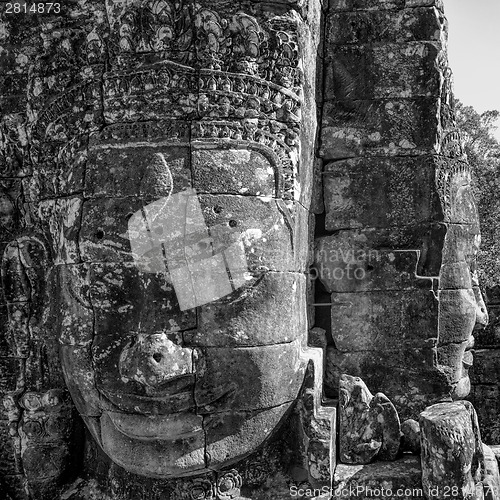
column 483, row 153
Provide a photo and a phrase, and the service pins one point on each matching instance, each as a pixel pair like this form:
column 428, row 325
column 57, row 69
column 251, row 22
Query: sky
column 473, row 51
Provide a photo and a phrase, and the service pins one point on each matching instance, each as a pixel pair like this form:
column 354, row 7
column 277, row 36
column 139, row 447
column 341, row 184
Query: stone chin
column 462, row 389
column 184, row 444
column 156, row 446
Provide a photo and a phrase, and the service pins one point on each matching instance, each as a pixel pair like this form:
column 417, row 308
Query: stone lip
column 174, row 403
column 147, row 405
column 157, row 427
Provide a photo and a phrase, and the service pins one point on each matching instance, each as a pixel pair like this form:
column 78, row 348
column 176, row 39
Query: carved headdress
column 170, row 70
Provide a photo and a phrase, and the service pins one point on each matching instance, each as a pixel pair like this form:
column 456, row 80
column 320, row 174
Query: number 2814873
column 32, row 8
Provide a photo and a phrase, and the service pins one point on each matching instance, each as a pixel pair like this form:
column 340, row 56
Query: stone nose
column 152, row 360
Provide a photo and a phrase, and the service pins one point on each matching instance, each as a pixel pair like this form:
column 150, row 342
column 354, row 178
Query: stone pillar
column 452, row 454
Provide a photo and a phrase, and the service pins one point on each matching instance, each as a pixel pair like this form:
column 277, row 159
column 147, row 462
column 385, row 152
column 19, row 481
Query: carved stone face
column 191, row 313
column 461, row 306
column 180, row 270
column 404, row 293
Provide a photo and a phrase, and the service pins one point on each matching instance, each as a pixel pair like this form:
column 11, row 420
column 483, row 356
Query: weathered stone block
column 267, row 227
column 269, row 312
column 428, row 238
column 457, row 315
column 223, row 375
column 454, row 360
column 383, row 320
column 366, row 4
column 137, row 171
column 383, row 71
column 234, row 171
column 397, row 480
column 425, row 3
column 408, row 25
column 385, row 5
column 369, row 425
column 119, row 292
column 107, row 239
column 238, row 433
column 344, row 263
column 389, row 127
column 377, row 192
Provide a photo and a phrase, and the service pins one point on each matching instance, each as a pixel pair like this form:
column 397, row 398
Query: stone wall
column 387, row 142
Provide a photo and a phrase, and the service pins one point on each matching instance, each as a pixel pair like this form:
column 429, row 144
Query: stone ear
column 24, row 270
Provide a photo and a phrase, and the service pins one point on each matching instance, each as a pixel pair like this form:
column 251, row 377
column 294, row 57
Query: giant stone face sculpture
column 177, row 222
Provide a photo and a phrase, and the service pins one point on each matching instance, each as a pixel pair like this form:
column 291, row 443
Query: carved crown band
column 166, row 90
column 175, row 90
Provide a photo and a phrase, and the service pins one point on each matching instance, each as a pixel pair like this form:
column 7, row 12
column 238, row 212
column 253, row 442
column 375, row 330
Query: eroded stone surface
column 371, row 192
column 452, row 452
column 369, row 425
column 365, row 481
column 386, row 127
